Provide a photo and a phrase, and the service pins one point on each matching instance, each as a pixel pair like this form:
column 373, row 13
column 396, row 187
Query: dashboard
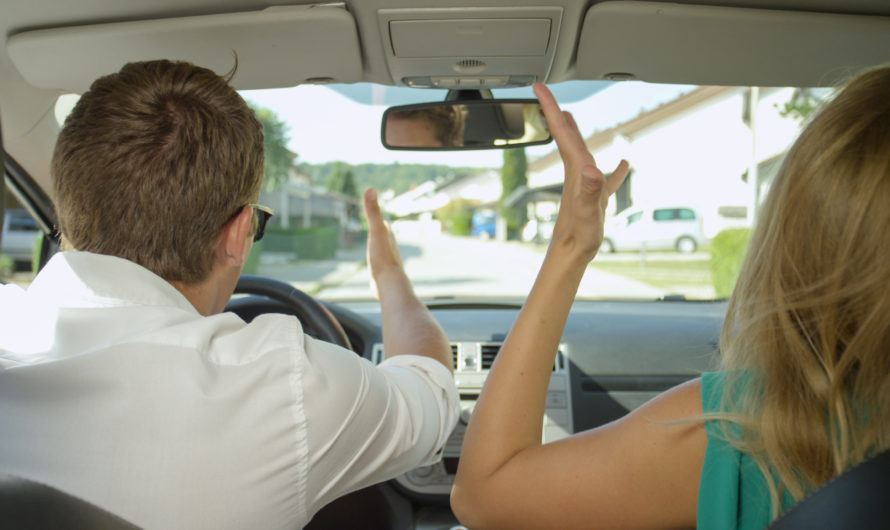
column 614, row 357
column 472, row 360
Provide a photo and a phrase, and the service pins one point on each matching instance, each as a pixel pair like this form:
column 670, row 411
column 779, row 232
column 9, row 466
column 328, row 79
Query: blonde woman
column 804, row 384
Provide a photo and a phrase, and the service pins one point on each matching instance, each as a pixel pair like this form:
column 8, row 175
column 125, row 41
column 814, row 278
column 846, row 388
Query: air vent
column 471, row 356
column 469, row 66
column 489, row 352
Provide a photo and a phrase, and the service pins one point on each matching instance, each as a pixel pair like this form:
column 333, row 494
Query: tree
column 801, row 106
column 341, row 180
column 279, row 159
column 514, row 175
column 397, row 177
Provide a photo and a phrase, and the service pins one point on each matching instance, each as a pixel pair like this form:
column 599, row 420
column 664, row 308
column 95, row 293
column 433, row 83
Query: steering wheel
column 308, row 310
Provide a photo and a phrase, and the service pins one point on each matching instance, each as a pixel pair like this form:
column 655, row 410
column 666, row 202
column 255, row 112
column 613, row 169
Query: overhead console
column 726, row 45
column 308, row 44
column 470, row 48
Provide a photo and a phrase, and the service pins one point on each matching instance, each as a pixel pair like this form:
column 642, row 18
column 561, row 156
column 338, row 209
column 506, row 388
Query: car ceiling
column 47, row 50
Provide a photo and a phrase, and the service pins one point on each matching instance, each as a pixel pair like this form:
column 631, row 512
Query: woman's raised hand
column 578, row 232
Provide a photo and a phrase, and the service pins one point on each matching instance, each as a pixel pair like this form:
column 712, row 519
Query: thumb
column 372, row 210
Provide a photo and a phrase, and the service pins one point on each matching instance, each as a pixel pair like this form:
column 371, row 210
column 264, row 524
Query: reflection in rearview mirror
column 476, row 124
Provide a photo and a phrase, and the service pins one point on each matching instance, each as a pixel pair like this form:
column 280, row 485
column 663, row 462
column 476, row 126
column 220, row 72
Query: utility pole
column 750, row 118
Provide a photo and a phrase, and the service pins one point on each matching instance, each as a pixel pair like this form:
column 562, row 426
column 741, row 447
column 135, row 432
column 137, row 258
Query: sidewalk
column 311, row 276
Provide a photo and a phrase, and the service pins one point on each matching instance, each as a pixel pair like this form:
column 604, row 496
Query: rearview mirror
column 455, row 125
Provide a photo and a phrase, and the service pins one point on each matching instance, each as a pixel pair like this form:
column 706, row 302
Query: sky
column 325, row 125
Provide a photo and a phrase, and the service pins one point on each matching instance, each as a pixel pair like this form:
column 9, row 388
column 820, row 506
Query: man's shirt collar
column 85, row 279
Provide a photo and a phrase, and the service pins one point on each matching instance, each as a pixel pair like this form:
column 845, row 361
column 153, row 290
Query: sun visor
column 727, row 46
column 277, row 47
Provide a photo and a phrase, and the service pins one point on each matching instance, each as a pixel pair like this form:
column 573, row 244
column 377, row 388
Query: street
column 443, row 266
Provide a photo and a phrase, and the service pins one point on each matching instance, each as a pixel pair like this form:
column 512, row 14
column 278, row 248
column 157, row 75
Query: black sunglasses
column 263, row 213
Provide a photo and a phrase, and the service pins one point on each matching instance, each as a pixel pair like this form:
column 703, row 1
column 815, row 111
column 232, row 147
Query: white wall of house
column 695, row 157
column 481, row 188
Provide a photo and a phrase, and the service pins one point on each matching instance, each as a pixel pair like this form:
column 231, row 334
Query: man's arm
column 371, row 423
column 408, row 327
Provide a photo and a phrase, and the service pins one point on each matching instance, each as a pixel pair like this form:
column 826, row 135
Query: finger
column 578, row 139
column 569, row 140
column 546, row 99
column 560, row 127
column 372, row 211
column 573, row 125
column 556, row 120
column 617, row 177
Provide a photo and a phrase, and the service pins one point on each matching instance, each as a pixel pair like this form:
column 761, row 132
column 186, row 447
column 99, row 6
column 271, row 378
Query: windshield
column 476, row 224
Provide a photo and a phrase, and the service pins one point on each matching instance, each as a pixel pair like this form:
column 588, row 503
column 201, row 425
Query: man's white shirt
column 115, row 389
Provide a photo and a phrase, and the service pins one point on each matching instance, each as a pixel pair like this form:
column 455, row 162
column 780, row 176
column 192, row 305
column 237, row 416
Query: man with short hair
column 122, row 383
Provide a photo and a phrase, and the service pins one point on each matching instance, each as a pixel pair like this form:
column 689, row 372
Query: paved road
column 446, row 266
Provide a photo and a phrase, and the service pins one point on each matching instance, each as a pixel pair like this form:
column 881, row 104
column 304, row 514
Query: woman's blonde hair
column 806, row 340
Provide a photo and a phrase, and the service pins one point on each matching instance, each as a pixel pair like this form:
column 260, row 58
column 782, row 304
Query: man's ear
column 233, row 238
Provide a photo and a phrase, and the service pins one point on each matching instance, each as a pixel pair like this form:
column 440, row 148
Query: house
column 482, row 189
column 700, row 149
column 299, row 204
column 696, row 150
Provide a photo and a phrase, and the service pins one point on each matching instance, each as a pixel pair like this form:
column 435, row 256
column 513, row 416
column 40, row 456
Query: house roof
column 641, row 122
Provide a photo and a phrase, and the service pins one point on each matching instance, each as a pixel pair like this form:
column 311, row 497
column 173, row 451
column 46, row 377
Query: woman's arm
column 605, row 477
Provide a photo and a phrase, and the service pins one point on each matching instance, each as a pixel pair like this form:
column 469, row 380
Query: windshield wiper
column 673, row 297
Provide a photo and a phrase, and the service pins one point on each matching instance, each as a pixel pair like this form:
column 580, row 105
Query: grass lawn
column 662, row 273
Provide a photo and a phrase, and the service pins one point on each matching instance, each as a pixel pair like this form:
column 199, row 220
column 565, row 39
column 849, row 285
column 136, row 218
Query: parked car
column 539, row 230
column 19, row 236
column 665, row 228
column 484, row 224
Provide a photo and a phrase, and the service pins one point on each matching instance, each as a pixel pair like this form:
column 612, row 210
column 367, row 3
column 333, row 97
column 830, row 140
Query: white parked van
column 664, row 228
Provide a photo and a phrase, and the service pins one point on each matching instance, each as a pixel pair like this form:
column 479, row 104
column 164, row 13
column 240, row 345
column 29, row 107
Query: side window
column 21, row 223
column 19, row 242
column 664, row 214
column 633, row 218
column 685, row 213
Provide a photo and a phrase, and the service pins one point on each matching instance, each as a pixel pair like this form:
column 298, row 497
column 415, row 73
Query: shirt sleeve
column 368, row 423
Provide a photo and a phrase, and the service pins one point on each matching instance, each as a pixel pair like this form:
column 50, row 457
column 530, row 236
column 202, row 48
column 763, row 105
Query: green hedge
column 727, row 253
column 35, row 252
column 457, row 216
column 7, row 265
column 317, row 242
column 253, row 260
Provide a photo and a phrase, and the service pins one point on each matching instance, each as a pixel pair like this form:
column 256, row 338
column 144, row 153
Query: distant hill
column 397, row 177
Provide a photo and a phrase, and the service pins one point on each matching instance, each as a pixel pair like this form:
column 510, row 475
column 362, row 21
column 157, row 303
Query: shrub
column 253, row 260
column 457, row 217
column 317, row 242
column 7, row 265
column 727, row 253
column 35, row 252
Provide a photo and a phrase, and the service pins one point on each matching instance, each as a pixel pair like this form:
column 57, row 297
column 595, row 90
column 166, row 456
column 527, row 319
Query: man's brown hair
column 446, row 123
column 152, row 162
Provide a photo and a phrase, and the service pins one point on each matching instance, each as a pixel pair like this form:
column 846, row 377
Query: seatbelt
column 858, row 498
